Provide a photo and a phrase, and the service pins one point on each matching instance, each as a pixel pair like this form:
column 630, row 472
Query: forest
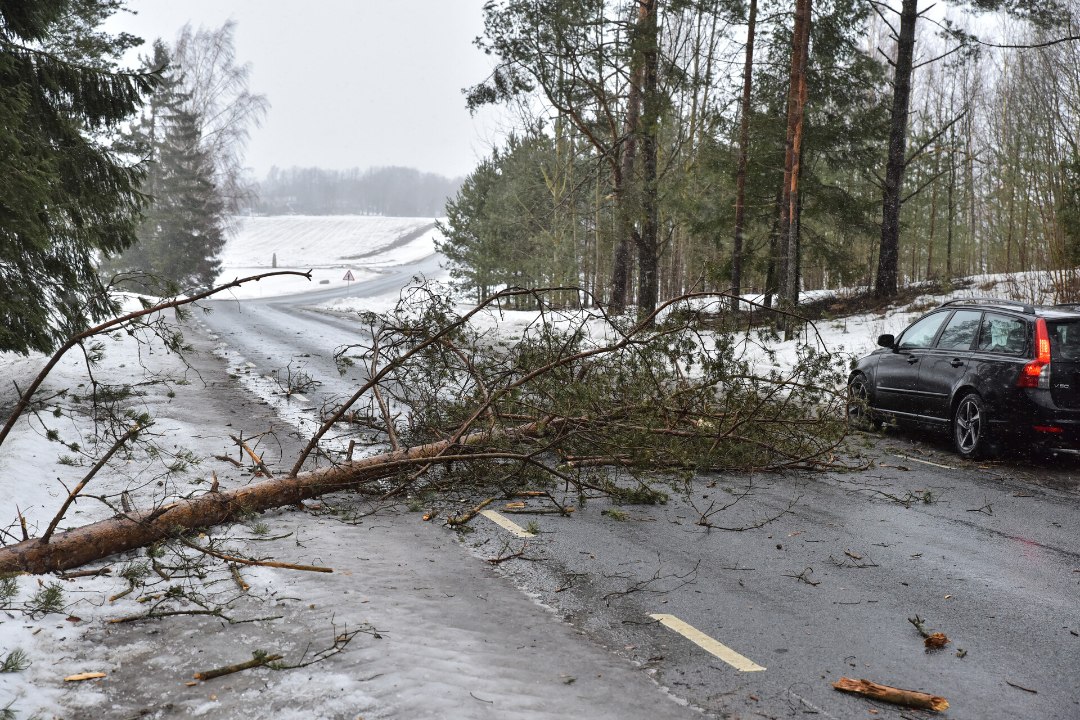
column 389, row 191
column 664, row 146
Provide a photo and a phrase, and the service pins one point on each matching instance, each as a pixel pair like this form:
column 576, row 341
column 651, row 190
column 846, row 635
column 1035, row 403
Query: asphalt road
column 988, row 554
column 286, row 342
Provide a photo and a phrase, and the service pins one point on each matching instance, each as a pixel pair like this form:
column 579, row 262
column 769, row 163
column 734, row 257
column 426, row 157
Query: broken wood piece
column 467, row 516
column 259, row 660
column 254, row 457
column 84, row 573
column 932, row 641
column 515, row 506
column 244, row 587
column 897, row 696
column 935, row 641
column 262, row 563
column 226, row 458
column 84, row 676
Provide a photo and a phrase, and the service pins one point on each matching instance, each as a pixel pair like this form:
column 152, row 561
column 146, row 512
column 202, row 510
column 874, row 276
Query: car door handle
column 956, row 362
column 912, row 359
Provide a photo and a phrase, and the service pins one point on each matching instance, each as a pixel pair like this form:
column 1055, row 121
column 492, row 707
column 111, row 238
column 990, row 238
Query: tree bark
column 744, row 155
column 82, row 545
column 888, row 256
column 648, row 244
column 898, row 696
column 797, row 92
column 623, row 187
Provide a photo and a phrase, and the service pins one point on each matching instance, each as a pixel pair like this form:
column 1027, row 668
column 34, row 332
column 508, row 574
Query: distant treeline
column 389, row 191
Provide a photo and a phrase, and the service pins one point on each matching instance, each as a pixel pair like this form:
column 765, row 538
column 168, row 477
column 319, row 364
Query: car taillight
column 1036, row 374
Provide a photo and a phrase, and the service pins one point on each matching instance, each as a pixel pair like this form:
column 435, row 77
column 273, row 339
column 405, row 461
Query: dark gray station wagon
column 987, row 371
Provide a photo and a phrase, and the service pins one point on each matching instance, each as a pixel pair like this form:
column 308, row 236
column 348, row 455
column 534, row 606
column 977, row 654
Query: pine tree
column 67, row 197
column 183, row 233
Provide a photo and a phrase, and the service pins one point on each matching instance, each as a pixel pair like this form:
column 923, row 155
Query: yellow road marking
column 708, row 644
column 924, row 462
column 507, row 524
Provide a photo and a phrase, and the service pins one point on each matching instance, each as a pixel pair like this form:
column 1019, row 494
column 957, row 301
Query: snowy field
column 48, row 454
column 329, row 246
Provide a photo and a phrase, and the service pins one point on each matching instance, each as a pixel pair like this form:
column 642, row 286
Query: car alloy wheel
column 858, row 404
column 969, row 426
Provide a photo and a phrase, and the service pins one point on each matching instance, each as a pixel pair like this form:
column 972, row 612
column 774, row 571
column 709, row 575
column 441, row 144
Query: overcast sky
column 351, row 83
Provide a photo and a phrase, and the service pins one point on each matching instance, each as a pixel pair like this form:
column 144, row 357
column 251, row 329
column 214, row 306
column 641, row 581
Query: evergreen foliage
column 67, row 197
column 590, row 159
column 184, row 229
column 989, row 146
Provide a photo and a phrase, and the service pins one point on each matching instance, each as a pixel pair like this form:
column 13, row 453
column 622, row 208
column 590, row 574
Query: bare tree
column 219, row 94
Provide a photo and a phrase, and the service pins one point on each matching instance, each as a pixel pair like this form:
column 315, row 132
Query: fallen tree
column 590, row 400
column 130, row 531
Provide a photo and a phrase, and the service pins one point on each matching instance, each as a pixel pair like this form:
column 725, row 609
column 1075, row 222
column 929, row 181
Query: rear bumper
column 1034, row 420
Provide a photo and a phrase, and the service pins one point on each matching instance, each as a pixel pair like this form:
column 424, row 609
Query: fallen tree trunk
column 77, row 547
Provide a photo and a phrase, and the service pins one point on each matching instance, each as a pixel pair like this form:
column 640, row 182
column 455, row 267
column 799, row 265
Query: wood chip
column 84, row 676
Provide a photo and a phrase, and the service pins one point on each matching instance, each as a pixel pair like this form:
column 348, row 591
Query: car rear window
column 1002, row 334
column 1064, row 339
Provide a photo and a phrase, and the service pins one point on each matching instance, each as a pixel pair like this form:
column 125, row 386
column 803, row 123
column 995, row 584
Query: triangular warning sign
column 348, row 276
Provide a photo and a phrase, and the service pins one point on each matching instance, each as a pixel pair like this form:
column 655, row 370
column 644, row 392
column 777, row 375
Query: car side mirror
column 887, row 341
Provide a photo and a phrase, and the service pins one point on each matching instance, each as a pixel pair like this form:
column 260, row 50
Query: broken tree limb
column 259, row 660
column 76, row 547
column 89, row 476
column 263, row 563
column 255, row 458
column 469, row 515
column 115, row 324
column 897, row 696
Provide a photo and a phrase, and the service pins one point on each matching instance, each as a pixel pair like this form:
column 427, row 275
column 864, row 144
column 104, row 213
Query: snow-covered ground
column 49, row 453
column 330, row 246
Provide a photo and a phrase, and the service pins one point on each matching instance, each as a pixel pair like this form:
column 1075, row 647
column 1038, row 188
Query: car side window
column 921, row 334
column 961, row 331
column 1002, row 334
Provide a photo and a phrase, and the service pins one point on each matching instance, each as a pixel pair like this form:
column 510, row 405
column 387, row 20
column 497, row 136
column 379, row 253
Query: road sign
column 348, row 276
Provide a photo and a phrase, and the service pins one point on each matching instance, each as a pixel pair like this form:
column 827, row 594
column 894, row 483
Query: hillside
column 329, row 245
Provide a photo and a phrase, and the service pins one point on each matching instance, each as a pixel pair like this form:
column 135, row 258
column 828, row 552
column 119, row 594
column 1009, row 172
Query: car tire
column 859, row 414
column 970, row 427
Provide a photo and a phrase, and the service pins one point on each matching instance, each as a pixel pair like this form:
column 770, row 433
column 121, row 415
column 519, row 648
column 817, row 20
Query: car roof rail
column 1026, row 307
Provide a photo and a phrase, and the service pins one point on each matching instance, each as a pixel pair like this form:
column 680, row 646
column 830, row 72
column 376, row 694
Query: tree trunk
column 648, row 244
column 744, row 155
column 789, row 225
column 82, row 545
column 888, row 256
column 623, row 190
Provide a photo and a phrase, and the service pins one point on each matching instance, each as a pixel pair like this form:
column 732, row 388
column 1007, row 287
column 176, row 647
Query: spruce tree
column 67, row 197
column 183, row 233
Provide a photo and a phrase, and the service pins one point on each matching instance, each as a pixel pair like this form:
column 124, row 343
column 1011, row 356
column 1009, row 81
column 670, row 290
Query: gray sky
column 351, row 83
